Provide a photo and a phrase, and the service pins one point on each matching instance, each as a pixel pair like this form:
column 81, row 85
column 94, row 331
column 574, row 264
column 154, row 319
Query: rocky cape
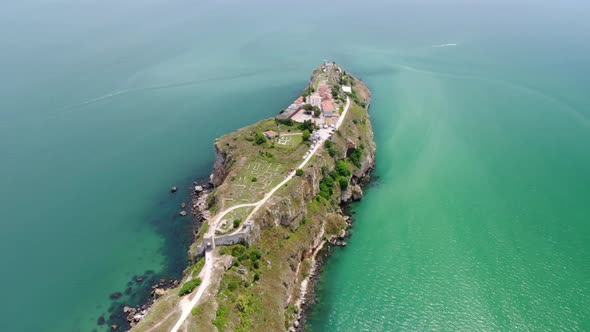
column 263, row 285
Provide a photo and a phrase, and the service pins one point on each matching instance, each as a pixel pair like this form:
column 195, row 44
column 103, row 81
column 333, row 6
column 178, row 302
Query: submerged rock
column 182, row 205
column 183, row 213
column 173, row 189
column 116, row 295
column 101, row 320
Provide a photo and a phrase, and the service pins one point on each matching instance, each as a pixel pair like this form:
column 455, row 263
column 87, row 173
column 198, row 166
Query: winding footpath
column 205, row 275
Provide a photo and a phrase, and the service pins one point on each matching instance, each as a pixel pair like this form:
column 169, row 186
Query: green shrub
column 286, row 122
column 221, row 317
column 355, row 157
column 306, row 125
column 254, row 179
column 256, row 276
column 259, row 139
column 343, row 182
column 189, row 286
column 255, row 254
column 299, row 172
column 342, row 169
column 306, row 135
column 238, row 250
column 237, row 223
column 232, row 286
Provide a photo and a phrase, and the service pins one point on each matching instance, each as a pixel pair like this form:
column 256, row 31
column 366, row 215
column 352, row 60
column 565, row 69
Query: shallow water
column 478, row 220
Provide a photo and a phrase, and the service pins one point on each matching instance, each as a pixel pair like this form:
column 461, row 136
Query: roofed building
column 270, row 134
column 290, row 111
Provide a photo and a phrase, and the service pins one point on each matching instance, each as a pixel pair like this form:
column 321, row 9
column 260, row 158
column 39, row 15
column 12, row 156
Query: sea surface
column 478, row 217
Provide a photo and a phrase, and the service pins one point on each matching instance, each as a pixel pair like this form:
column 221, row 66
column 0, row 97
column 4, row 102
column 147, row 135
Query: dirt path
column 187, row 306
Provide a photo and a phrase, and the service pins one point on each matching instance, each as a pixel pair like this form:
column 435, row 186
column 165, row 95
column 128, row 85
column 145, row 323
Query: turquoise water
column 478, row 218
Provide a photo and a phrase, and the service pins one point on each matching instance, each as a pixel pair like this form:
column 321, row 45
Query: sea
column 478, row 214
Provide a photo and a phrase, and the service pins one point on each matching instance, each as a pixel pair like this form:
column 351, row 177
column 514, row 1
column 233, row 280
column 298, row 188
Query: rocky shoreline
column 149, row 287
column 310, row 297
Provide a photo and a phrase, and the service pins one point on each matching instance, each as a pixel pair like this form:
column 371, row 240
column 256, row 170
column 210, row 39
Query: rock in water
column 182, row 213
column 173, row 189
column 198, row 189
column 116, row 295
column 182, row 205
column 101, row 320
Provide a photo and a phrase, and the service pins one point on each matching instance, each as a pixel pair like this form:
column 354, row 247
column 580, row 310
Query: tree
column 342, row 169
column 335, row 90
column 259, row 139
column 306, row 135
column 317, row 112
column 306, row 125
column 236, row 223
column 307, row 107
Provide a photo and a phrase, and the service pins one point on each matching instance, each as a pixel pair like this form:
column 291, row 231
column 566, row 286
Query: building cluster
column 321, row 99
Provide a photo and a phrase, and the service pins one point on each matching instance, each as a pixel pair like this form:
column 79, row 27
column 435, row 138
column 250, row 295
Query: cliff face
column 221, row 166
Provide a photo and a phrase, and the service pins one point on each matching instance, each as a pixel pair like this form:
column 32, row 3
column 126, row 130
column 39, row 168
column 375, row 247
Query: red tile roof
column 327, row 105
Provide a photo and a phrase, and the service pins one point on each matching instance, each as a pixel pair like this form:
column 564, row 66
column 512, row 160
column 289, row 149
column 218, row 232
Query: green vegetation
column 306, row 135
column 237, row 223
column 309, row 90
column 299, row 172
column 197, row 267
column 254, row 179
column 286, row 122
column 355, row 156
column 317, row 112
column 340, row 176
column 344, row 80
column 306, row 125
column 332, row 149
column 356, row 98
column 221, row 317
column 343, row 182
column 342, row 169
column 335, row 90
column 196, row 310
column 189, row 286
column 259, row 139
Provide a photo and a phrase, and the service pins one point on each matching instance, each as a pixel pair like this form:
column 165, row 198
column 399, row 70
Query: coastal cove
column 476, row 216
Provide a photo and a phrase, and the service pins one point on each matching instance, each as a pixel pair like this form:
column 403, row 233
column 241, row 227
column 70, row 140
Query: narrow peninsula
column 275, row 200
